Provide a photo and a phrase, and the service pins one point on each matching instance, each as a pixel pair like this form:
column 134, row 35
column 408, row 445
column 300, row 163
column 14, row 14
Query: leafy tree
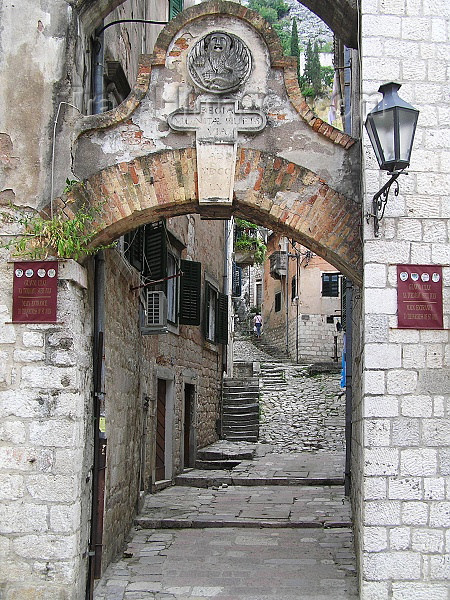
column 327, row 76
column 295, row 47
column 275, row 12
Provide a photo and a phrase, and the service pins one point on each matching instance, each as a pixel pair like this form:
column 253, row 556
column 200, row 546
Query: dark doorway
column 161, row 431
column 189, row 395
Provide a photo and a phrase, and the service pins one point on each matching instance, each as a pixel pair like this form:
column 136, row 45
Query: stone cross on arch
column 216, row 123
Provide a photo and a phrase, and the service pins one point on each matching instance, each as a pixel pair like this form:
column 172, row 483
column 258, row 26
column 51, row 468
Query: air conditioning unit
column 154, row 314
column 278, row 264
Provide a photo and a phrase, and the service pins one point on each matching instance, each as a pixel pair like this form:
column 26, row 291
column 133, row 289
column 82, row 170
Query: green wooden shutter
column 134, row 248
column 222, row 319
column 155, row 251
column 175, row 7
column 190, row 292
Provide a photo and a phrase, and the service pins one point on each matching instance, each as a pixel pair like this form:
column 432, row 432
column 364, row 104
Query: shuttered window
column 330, row 285
column 344, row 303
column 190, row 292
column 278, row 302
column 222, row 319
column 155, row 250
column 134, row 248
column 175, row 7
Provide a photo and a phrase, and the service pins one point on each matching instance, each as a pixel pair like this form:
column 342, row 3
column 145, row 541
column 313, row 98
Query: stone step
column 195, row 478
column 240, row 409
column 231, row 420
column 212, row 465
column 241, row 382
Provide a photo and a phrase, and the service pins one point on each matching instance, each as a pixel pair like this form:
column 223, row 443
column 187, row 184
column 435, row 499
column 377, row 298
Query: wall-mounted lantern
column 391, row 126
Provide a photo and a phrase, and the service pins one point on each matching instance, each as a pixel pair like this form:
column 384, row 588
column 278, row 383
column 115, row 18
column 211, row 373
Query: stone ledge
column 70, row 270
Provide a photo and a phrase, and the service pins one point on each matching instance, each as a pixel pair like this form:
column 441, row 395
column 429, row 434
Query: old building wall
column 404, row 530
column 134, row 362
column 311, row 317
column 46, row 445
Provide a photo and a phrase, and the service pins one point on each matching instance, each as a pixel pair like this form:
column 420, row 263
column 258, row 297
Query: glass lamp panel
column 384, row 123
column 407, row 120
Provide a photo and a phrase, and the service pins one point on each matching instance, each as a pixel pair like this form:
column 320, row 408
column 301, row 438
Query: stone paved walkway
column 276, row 527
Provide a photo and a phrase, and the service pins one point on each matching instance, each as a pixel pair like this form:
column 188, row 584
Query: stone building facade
column 298, row 175
column 302, row 297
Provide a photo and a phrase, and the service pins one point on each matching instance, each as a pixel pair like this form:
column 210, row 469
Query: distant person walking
column 258, row 321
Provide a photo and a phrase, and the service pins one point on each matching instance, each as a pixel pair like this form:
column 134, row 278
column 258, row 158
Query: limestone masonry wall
column 406, row 457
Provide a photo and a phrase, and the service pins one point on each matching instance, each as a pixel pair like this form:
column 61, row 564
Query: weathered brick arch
column 268, row 190
column 340, row 15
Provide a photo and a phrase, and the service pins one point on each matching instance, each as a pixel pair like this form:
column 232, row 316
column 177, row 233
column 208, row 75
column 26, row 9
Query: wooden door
column 188, row 422
column 161, row 431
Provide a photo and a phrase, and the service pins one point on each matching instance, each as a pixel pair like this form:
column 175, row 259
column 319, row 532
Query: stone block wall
column 316, row 338
column 406, row 433
column 45, row 436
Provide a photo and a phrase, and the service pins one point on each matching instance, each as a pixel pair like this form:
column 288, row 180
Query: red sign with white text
column 419, row 297
column 35, row 291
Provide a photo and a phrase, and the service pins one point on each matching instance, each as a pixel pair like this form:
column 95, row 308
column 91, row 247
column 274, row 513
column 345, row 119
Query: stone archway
column 340, row 15
column 269, row 190
column 295, row 174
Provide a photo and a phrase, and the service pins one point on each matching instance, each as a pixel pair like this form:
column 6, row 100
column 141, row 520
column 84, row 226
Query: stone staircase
column 240, row 409
column 273, row 376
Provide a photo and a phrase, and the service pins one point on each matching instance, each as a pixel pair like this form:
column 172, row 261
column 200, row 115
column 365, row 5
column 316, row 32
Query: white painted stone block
column 374, row 539
column 380, row 26
column 400, row 538
column 57, row 433
column 410, row 229
column 413, row 355
column 427, row 540
column 376, row 328
column 375, row 275
column 375, row 488
column 382, row 512
column 383, row 356
column 374, row 382
column 7, row 334
column 46, row 546
column 439, row 406
column 377, row 432
column 392, row 565
column 440, row 514
column 65, row 519
column 416, row 406
column 52, row 488
column 381, row 406
column 376, row 251
column 408, row 488
column 381, row 301
column 11, row 486
column 419, row 591
column 420, row 462
column 33, row 339
column 439, row 30
column 434, row 356
column 440, row 567
column 401, row 381
column 374, row 590
column 13, row 432
column 436, row 432
column 415, row 513
column 28, row 356
column 49, row 377
column 23, row 518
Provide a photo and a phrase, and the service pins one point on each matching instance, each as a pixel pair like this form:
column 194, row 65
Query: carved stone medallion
column 220, row 62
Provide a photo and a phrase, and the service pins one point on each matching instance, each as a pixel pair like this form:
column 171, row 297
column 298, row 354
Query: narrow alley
column 260, row 521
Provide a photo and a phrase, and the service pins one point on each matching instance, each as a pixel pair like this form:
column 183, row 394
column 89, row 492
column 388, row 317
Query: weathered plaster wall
column 406, row 493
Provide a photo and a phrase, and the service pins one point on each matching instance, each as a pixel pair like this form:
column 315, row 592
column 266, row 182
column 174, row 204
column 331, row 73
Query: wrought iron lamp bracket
column 380, row 199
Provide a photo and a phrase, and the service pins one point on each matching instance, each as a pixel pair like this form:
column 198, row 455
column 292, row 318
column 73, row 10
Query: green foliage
column 326, row 47
column 70, row 184
column 275, row 12
column 243, row 224
column 311, row 82
column 295, row 46
column 252, row 244
column 59, row 236
column 327, row 76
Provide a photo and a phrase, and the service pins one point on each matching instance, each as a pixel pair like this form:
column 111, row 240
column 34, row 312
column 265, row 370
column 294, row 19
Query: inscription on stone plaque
column 216, row 124
column 220, row 62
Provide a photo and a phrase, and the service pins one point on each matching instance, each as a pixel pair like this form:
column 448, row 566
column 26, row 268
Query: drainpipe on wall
column 99, row 458
column 348, row 385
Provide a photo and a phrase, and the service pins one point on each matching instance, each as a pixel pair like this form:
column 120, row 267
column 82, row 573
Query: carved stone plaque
column 220, row 62
column 216, row 124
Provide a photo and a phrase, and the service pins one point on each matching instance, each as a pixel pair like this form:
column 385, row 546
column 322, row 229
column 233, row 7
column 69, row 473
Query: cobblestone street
column 276, row 526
